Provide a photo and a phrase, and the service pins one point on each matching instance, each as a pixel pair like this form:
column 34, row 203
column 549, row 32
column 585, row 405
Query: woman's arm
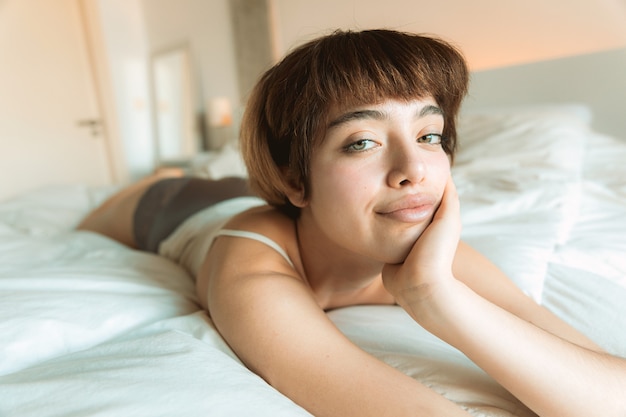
column 485, row 279
column 268, row 316
column 552, row 376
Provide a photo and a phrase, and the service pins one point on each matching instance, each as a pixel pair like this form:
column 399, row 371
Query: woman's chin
column 398, row 255
column 400, row 249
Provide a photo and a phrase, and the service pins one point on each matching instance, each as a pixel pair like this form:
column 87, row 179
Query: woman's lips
column 410, row 209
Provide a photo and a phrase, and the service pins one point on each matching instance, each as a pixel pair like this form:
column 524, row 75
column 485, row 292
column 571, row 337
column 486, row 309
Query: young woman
column 348, row 141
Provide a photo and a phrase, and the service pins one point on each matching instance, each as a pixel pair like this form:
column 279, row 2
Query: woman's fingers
column 430, row 259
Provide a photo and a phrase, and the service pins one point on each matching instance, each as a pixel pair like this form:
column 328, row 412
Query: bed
column 90, row 327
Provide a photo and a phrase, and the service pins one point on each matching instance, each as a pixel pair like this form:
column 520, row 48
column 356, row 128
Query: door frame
column 91, row 20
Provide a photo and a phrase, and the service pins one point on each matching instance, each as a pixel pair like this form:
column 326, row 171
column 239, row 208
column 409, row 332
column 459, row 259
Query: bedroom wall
column 491, row 33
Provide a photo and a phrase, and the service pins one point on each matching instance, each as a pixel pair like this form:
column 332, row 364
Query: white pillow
column 518, row 174
column 225, row 162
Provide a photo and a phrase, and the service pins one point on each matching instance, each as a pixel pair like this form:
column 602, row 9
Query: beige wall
column 492, row 33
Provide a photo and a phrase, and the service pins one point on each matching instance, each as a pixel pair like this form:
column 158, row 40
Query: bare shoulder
column 270, row 223
column 265, row 220
column 234, row 259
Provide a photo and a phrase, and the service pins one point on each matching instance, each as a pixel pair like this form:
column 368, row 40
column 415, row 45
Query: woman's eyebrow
column 357, row 115
column 427, row 110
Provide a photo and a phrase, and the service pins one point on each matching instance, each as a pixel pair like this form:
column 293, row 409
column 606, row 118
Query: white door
column 50, row 126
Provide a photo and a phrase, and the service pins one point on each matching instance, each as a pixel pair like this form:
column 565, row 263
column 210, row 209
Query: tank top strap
column 259, row 238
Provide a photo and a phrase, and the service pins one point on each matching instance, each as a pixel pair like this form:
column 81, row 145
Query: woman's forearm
column 550, row 375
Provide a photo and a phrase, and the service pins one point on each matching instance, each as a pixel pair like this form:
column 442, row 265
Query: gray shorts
column 169, row 202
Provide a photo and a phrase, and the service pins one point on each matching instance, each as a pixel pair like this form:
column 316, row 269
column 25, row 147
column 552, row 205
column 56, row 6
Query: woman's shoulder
column 266, row 225
column 265, row 220
column 258, row 242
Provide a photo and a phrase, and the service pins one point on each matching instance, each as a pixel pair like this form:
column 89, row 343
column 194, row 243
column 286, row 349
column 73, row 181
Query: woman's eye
column 360, row 145
column 431, row 139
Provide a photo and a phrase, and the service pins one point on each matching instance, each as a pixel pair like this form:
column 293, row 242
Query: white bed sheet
column 90, row 327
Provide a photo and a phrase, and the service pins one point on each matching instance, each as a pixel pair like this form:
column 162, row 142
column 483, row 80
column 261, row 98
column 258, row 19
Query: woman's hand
column 428, row 266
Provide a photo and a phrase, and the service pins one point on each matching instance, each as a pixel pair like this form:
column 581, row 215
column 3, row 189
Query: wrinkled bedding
column 90, row 327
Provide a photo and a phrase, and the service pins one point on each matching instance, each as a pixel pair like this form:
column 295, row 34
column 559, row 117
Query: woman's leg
column 114, row 218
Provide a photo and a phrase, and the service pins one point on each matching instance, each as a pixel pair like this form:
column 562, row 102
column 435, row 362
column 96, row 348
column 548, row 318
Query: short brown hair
column 287, row 112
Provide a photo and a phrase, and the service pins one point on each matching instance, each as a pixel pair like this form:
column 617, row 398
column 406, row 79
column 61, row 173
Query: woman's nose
column 407, row 167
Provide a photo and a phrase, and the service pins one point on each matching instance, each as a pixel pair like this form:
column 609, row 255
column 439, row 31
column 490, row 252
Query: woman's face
column 377, row 178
